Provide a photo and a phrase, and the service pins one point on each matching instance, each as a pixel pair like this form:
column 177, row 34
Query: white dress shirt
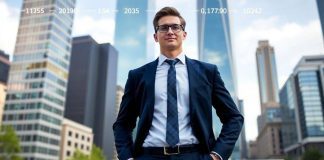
column 157, row 133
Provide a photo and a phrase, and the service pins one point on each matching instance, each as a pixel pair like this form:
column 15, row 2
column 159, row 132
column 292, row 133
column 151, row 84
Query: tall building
column 215, row 47
column 119, row 96
column 269, row 140
column 38, row 77
column 320, row 6
column 3, row 91
column 242, row 138
column 4, row 67
column 302, row 101
column 267, row 76
column 131, row 32
column 4, row 70
column 91, row 90
column 75, row 136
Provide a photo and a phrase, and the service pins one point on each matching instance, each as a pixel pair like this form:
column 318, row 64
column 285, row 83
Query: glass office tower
column 215, row 47
column 131, row 32
column 38, row 77
column 302, row 99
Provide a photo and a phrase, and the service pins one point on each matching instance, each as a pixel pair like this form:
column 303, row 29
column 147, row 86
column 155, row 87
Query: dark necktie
column 172, row 130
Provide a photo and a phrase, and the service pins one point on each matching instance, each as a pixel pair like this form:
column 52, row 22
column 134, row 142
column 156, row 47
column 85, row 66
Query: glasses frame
column 169, row 26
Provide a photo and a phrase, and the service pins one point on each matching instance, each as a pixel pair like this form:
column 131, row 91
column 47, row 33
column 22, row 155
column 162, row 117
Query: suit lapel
column 192, row 78
column 149, row 78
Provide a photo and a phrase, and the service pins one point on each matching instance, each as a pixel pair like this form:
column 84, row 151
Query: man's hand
column 215, row 157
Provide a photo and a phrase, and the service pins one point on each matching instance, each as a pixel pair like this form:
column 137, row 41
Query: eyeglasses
column 165, row 28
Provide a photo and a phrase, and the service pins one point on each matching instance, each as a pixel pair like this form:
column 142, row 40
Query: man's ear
column 155, row 37
column 184, row 35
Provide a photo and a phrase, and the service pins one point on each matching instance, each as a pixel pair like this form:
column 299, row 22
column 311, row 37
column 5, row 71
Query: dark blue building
column 4, row 67
column 92, row 89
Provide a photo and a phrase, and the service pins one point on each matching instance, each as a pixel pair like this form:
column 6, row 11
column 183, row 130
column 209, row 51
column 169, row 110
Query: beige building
column 75, row 136
column 119, row 96
column 269, row 141
column 268, row 144
column 3, row 89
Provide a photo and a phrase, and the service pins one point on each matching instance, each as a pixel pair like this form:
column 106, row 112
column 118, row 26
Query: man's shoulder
column 144, row 67
column 201, row 63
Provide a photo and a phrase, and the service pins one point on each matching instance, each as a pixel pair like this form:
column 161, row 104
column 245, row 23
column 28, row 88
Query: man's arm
column 126, row 120
column 229, row 115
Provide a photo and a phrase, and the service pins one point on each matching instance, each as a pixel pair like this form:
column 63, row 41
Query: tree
column 78, row 155
column 9, row 144
column 312, row 154
column 96, row 154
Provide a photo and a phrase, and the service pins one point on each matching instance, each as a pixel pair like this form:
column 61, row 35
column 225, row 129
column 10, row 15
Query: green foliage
column 78, row 155
column 312, row 154
column 9, row 144
column 96, row 154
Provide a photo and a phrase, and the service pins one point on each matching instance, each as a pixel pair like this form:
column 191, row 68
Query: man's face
column 169, row 39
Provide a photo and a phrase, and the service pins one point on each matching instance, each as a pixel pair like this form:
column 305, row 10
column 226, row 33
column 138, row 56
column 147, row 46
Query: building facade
column 4, row 71
column 131, row 34
column 320, row 6
column 75, row 136
column 302, row 101
column 4, row 67
column 214, row 46
column 269, row 140
column 38, row 78
column 91, row 90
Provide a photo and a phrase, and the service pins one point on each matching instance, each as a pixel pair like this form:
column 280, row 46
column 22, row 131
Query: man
column 173, row 98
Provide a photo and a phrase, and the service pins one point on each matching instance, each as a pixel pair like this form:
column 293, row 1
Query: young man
column 173, row 98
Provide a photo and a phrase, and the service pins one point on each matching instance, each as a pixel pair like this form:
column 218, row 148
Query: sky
column 291, row 26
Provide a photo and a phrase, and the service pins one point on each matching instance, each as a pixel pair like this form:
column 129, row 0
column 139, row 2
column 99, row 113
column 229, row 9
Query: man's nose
column 170, row 30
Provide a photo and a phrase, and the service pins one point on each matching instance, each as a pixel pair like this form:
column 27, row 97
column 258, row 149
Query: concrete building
column 75, row 136
column 4, row 67
column 302, row 104
column 38, row 78
column 4, row 71
column 91, row 90
column 269, row 140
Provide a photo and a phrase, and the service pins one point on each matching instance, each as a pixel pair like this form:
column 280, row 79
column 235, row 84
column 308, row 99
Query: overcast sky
column 291, row 26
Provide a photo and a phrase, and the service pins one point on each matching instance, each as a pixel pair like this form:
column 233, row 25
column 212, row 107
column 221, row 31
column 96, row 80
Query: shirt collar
column 181, row 57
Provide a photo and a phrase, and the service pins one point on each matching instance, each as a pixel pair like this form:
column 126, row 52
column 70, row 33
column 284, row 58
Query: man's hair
column 167, row 11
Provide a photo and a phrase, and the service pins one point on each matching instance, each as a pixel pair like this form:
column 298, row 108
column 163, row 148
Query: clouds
column 9, row 18
column 101, row 29
column 290, row 40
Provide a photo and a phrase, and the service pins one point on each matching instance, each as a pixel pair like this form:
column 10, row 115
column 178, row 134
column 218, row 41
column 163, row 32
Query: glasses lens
column 165, row 28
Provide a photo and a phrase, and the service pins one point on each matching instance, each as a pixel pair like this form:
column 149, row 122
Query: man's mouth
column 170, row 39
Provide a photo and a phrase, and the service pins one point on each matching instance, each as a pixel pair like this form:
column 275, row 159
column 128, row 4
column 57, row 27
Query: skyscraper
column 242, row 138
column 269, row 140
column 302, row 99
column 4, row 70
column 131, row 36
column 38, row 77
column 91, row 90
column 214, row 46
column 320, row 6
column 267, row 75
column 4, row 67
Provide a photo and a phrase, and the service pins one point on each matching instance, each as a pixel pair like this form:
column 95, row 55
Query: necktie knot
column 172, row 62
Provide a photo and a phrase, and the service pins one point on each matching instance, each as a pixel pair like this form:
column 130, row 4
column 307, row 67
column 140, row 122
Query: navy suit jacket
column 206, row 90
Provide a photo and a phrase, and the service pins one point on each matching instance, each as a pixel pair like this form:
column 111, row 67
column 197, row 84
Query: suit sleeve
column 126, row 120
column 228, row 114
